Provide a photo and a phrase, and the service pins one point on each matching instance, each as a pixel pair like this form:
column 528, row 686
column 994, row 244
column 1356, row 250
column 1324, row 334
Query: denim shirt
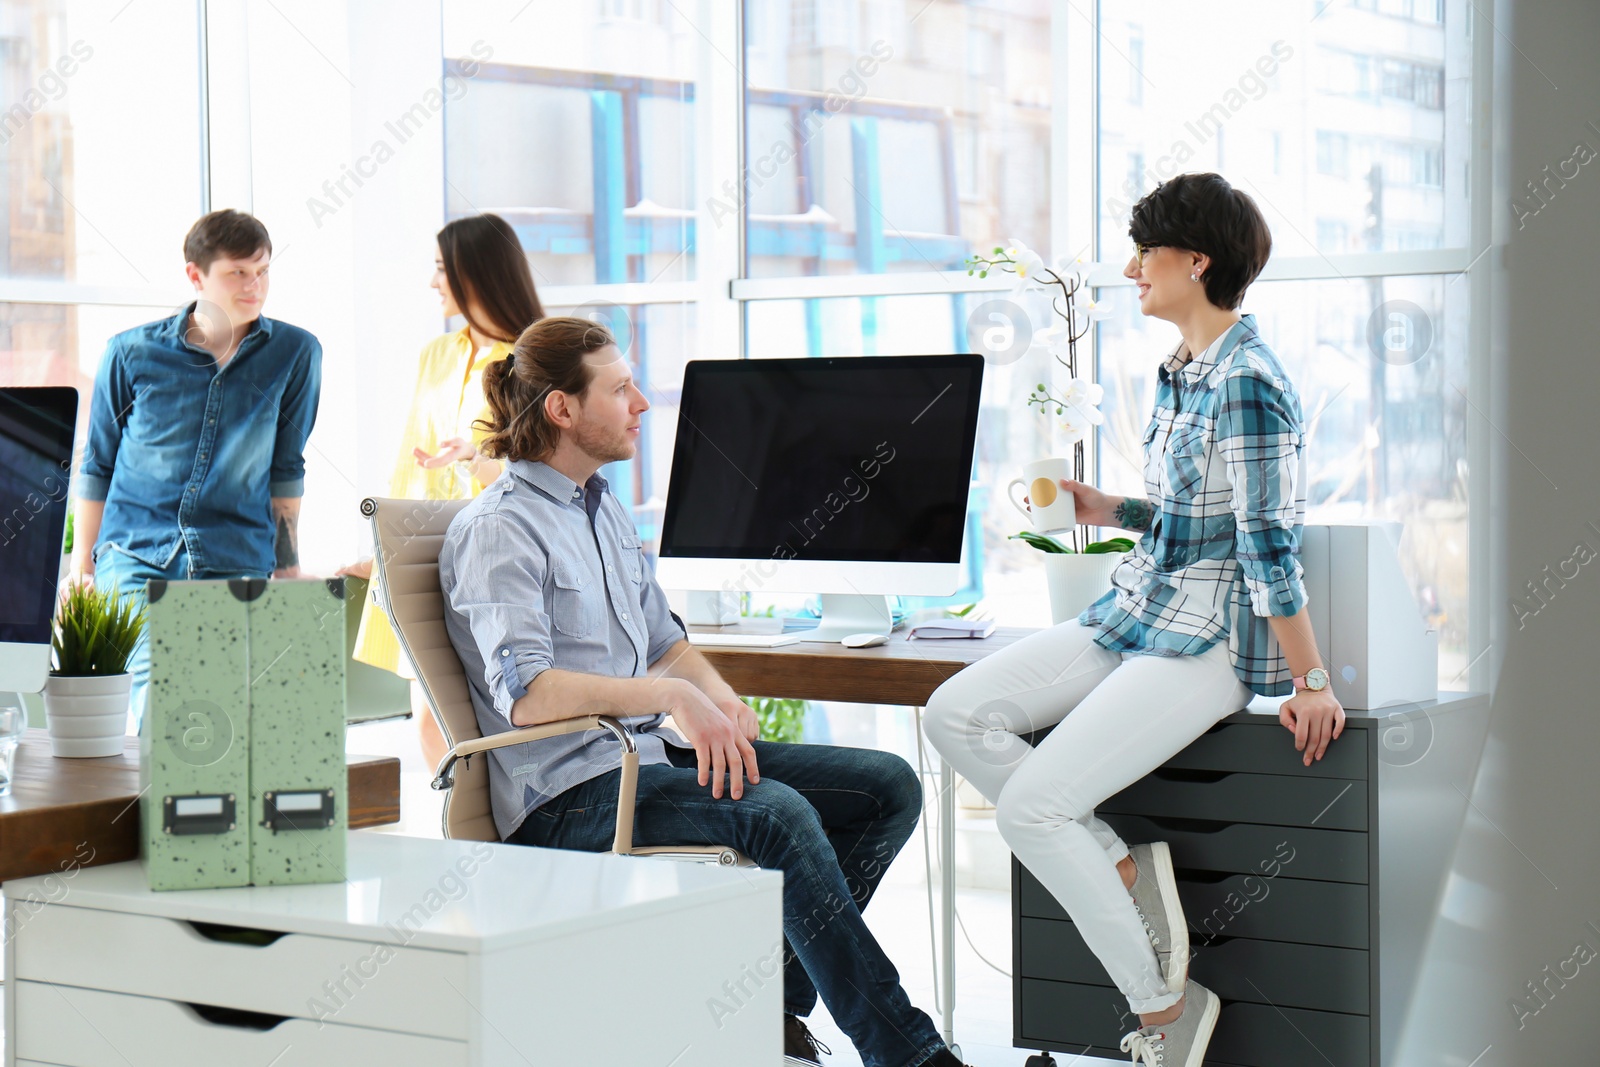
column 1225, row 469
column 183, row 452
column 540, row 572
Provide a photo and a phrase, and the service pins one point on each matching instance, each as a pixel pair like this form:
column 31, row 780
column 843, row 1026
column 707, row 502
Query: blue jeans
column 831, row 819
column 113, row 567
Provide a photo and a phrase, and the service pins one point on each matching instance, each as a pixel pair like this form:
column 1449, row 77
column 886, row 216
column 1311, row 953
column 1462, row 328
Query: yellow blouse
column 447, row 401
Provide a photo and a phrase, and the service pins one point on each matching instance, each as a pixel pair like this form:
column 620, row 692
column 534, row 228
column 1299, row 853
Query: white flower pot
column 1076, row 580
column 87, row 716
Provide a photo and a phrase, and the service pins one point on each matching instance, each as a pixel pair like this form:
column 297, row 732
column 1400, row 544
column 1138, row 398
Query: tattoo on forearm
column 287, row 545
column 1134, row 514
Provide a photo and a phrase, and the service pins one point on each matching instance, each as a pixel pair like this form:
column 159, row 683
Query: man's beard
column 596, row 444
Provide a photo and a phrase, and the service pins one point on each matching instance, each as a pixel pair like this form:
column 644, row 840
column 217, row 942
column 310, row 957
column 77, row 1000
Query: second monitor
column 847, row 477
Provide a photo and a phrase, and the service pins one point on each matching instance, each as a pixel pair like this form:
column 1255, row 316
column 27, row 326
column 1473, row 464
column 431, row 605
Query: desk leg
column 947, row 898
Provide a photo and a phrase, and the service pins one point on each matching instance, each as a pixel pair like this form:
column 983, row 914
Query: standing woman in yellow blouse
column 482, row 275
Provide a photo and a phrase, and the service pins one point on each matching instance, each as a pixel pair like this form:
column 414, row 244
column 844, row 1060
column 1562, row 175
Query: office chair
column 407, row 535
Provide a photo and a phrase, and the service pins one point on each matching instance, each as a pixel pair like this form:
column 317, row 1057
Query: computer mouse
column 864, row 640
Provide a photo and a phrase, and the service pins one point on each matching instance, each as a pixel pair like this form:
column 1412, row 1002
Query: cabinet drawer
column 1068, row 1016
column 1267, row 748
column 379, row 983
column 1248, row 905
column 1318, row 977
column 1263, row 747
column 90, row 1028
column 1271, row 799
column 1248, row 848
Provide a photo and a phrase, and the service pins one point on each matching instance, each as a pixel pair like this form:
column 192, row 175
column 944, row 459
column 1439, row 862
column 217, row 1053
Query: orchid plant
column 1077, row 406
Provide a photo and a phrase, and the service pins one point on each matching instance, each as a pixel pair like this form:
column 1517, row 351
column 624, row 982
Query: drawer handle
column 236, row 1018
column 1188, row 826
column 1199, row 877
column 1181, row 774
column 235, row 935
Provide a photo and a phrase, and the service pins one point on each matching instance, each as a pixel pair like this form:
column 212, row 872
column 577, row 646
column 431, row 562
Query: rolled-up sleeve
column 1258, row 432
column 660, row 623
column 496, row 577
column 297, row 413
column 108, row 412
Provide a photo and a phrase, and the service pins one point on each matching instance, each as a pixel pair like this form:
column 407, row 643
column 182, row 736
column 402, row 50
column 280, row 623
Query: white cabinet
column 430, row 953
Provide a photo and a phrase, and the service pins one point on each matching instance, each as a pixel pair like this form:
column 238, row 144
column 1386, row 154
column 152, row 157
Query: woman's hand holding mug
column 1070, row 502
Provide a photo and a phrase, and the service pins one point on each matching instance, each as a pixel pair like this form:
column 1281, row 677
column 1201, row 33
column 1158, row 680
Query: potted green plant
column 1076, row 577
column 781, row 719
column 86, row 695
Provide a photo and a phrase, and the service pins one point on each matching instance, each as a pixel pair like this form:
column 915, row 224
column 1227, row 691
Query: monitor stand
column 844, row 614
column 711, row 607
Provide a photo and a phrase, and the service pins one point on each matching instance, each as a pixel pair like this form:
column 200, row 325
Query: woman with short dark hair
column 482, row 275
column 1205, row 612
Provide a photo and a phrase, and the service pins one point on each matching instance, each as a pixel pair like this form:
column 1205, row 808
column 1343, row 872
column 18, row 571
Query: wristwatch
column 1315, row 680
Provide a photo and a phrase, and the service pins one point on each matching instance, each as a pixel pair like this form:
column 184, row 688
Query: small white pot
column 87, row 716
column 1076, row 580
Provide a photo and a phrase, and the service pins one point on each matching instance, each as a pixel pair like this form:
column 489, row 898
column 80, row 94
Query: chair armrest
column 627, row 785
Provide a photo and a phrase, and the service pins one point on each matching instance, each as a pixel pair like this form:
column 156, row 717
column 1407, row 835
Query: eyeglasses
column 1140, row 251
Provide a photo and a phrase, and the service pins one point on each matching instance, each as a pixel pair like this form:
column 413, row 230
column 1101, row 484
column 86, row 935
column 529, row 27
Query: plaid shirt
column 1225, row 469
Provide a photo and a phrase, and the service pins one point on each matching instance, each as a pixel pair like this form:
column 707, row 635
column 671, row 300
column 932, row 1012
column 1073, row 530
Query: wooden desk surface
column 83, row 811
column 900, row 672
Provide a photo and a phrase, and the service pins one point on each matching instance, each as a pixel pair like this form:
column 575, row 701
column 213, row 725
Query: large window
column 780, row 178
column 79, row 83
column 1373, row 163
column 582, row 137
column 883, row 135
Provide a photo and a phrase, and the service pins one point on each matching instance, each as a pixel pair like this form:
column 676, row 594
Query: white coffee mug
column 1049, row 507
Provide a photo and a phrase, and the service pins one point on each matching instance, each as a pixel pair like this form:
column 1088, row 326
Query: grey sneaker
column 1181, row 1043
column 1155, row 897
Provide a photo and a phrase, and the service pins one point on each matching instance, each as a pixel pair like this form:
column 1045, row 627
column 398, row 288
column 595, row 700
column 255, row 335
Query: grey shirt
column 538, row 572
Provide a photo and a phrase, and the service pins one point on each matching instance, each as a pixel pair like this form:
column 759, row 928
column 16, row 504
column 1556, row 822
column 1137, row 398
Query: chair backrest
column 407, row 536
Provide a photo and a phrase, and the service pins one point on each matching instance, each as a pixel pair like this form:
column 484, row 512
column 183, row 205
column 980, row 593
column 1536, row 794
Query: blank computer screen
column 35, row 460
column 863, row 458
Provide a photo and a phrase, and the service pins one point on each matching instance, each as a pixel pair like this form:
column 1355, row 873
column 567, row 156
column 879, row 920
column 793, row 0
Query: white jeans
column 1121, row 716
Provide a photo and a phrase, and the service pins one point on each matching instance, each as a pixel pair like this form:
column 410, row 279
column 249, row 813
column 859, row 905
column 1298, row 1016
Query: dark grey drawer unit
column 1309, row 890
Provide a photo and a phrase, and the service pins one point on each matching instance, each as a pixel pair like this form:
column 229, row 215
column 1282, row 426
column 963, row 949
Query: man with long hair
column 555, row 615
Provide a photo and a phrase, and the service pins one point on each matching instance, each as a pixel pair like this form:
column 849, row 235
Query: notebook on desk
column 941, row 629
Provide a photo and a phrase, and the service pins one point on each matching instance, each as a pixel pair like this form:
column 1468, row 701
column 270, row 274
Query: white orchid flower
column 1074, row 271
column 1053, row 337
column 1027, row 267
column 1075, row 425
column 1086, row 396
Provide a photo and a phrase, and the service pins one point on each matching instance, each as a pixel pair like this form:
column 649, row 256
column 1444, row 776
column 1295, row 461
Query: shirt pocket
column 1185, row 462
column 574, row 607
column 633, row 559
column 1152, row 469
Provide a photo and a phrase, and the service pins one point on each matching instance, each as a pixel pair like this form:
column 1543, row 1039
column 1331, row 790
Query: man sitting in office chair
column 554, row 614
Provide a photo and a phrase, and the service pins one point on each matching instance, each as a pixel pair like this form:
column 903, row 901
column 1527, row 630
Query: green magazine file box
column 242, row 754
column 194, row 747
column 298, row 775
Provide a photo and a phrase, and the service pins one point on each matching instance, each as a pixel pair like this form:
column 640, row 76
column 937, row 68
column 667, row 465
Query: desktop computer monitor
column 846, row 477
column 36, row 433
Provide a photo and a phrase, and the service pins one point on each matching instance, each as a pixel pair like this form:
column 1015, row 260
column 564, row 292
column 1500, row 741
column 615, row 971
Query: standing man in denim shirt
column 197, row 430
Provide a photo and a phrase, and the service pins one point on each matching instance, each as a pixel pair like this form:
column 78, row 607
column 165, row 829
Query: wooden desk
column 61, row 810
column 902, row 671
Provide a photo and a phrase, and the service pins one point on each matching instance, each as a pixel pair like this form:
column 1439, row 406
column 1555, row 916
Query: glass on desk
column 13, row 724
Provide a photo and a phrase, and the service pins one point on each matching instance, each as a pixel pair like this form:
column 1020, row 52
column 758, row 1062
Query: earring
column 1193, row 277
